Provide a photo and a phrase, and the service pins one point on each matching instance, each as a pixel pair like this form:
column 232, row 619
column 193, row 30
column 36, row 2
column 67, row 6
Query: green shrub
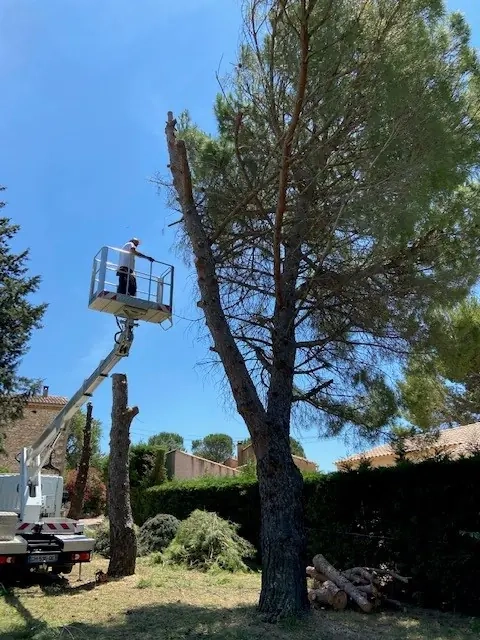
column 101, row 535
column 147, row 465
column 157, row 533
column 206, row 542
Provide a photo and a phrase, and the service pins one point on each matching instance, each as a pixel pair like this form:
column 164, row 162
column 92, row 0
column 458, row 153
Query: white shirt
column 127, row 259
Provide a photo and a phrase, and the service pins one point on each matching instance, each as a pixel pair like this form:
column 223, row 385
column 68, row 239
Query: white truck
column 33, row 534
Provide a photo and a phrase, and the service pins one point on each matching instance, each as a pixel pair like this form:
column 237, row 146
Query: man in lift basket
column 127, row 281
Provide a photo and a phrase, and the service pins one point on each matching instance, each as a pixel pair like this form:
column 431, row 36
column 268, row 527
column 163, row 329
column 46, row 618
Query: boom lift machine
column 33, row 533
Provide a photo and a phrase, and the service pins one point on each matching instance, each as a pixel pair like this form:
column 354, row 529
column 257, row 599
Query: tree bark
column 123, row 541
column 283, row 540
column 76, row 503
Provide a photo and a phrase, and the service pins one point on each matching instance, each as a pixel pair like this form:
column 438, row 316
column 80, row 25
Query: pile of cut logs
column 368, row 588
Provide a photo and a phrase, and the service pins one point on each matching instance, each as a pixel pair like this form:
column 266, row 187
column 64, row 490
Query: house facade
column 454, row 442
column 182, row 465
column 246, row 454
column 38, row 413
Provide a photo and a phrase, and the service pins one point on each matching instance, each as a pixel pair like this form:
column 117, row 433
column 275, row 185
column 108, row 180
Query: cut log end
column 329, row 594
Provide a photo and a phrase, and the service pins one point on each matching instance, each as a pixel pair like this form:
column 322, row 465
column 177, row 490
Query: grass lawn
column 174, row 604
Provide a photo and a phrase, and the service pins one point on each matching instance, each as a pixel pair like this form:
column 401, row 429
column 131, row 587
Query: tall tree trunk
column 280, row 482
column 76, row 503
column 123, row 541
column 284, row 586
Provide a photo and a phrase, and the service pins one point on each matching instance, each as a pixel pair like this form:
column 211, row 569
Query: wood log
column 323, row 566
column 369, row 590
column 329, row 594
column 363, row 573
column 356, row 578
column 313, row 573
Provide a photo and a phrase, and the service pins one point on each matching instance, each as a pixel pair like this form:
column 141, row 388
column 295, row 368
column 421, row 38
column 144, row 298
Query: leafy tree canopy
column 441, row 386
column 18, row 318
column 168, row 440
column 369, row 217
column 216, row 446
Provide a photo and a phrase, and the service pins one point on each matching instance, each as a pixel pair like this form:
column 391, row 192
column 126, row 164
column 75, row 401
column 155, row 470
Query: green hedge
column 413, row 515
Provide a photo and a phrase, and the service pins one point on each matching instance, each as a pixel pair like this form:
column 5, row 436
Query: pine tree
column 18, row 318
column 333, row 210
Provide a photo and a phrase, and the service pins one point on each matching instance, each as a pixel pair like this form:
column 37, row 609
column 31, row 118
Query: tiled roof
column 56, row 400
column 458, row 438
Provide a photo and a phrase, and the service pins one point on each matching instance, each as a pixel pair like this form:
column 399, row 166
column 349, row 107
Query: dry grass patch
column 168, row 603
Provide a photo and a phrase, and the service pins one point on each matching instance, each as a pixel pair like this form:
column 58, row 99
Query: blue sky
column 85, row 88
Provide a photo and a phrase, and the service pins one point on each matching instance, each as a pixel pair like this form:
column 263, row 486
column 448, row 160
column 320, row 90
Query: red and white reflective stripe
column 28, row 527
column 59, row 526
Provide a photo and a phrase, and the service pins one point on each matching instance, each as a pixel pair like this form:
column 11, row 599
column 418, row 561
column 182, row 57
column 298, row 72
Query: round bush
column 157, row 533
column 101, row 535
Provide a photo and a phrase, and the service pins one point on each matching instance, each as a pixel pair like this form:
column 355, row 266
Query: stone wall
column 37, row 415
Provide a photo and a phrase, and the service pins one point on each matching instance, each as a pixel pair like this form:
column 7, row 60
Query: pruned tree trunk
column 76, row 503
column 123, row 541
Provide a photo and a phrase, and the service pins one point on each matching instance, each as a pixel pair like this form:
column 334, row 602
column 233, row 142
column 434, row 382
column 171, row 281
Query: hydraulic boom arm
column 35, row 457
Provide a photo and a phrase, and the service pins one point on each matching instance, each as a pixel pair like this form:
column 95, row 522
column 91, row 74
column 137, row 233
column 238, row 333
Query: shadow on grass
column 32, row 627
column 178, row 621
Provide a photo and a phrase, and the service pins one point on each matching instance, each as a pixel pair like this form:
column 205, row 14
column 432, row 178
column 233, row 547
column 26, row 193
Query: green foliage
column 412, row 516
column 101, row 535
column 95, row 495
column 147, row 465
column 157, row 533
column 441, row 384
column 75, row 441
column 204, row 541
column 167, row 440
column 400, row 215
column 216, row 446
column 249, row 470
column 102, row 465
column 18, row 318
